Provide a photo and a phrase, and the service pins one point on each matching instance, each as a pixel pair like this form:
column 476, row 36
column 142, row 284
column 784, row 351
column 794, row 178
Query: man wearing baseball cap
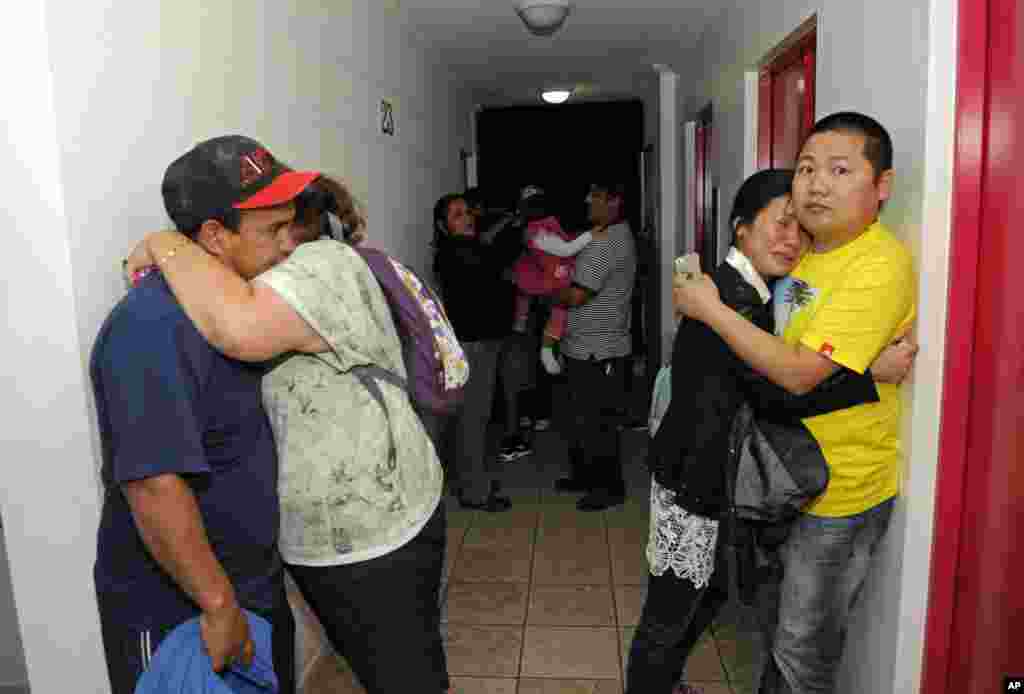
column 190, row 519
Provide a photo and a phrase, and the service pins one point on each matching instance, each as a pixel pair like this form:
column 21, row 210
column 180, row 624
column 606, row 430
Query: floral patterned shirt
column 344, row 497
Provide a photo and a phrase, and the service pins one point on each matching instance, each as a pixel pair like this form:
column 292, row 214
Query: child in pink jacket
column 545, row 269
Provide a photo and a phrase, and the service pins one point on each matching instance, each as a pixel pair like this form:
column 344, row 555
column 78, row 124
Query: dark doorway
column 562, row 149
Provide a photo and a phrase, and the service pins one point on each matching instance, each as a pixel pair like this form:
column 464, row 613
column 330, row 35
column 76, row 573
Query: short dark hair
column 474, row 197
column 229, row 218
column 877, row 142
column 756, row 193
column 440, row 225
column 441, row 209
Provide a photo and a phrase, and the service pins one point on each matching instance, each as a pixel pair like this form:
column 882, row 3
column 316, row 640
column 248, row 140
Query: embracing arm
column 554, row 245
column 864, row 314
column 245, row 320
column 793, row 367
column 575, row 295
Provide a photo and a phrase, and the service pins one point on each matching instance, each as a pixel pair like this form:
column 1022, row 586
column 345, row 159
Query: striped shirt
column 600, row 328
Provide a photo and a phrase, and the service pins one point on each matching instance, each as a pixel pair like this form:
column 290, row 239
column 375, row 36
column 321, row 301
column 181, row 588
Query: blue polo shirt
column 167, row 402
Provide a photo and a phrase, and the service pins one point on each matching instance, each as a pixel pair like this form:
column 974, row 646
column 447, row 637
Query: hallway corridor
column 544, row 599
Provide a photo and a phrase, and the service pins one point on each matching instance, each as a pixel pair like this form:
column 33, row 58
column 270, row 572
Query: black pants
column 597, row 389
column 383, row 615
column 129, row 650
column 675, row 615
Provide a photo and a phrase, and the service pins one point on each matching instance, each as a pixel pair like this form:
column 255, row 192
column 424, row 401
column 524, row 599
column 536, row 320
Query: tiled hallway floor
column 544, row 599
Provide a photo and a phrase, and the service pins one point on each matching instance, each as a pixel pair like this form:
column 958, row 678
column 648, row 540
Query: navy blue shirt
column 167, row 402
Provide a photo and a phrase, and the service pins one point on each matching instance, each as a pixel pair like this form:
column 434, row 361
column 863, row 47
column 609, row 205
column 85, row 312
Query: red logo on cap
column 826, row 349
column 255, row 165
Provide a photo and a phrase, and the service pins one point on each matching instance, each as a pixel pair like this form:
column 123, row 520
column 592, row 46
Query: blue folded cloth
column 182, row 666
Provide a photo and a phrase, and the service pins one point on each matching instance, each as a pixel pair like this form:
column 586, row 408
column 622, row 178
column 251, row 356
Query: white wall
column 108, row 93
column 895, row 61
column 49, row 499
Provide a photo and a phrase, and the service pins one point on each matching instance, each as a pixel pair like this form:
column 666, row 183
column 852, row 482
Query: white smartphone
column 687, row 266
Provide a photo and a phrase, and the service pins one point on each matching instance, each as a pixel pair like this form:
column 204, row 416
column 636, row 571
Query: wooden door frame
column 971, row 136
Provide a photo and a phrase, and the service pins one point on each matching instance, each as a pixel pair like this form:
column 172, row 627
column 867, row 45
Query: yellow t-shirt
column 848, row 304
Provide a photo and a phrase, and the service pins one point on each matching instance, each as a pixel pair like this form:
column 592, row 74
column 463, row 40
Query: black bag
column 775, row 468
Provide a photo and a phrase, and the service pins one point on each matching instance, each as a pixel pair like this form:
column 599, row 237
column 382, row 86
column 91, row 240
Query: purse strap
column 370, row 376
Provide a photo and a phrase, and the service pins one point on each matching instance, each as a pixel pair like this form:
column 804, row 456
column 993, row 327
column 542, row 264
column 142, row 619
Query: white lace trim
column 680, row 540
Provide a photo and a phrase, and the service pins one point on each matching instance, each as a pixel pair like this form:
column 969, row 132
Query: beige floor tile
column 625, row 641
column 555, row 516
column 704, row 663
column 572, row 564
column 585, row 605
column 539, row 686
column 629, row 602
column 331, row 676
column 489, row 563
column 632, row 535
column 483, row 685
column 487, row 603
column 495, row 554
column 523, row 514
column 496, row 536
column 483, row 651
column 629, row 562
column 563, row 528
column 571, row 652
column 452, row 549
column 742, row 657
column 309, row 639
column 460, row 518
column 629, row 515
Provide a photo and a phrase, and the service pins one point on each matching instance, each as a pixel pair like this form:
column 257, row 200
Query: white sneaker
column 550, row 361
column 542, row 425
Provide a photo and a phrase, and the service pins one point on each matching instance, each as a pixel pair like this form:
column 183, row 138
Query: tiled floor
column 544, row 599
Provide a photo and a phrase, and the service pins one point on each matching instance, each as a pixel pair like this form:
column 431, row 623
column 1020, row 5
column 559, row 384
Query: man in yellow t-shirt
column 851, row 296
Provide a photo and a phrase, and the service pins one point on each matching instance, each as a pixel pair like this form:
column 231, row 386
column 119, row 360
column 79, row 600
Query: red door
column 975, row 631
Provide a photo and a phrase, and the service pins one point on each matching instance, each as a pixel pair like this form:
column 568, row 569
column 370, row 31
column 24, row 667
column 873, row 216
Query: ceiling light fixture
column 543, row 17
column 555, row 96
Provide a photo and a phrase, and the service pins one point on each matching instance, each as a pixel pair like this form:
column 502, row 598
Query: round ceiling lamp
column 555, row 96
column 543, row 17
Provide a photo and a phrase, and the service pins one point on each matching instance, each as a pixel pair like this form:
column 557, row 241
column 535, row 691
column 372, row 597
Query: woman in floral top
column 362, row 527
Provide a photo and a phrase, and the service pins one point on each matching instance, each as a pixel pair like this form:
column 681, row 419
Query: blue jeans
column 825, row 562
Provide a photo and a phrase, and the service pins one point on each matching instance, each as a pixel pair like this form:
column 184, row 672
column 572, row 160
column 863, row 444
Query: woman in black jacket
column 479, row 304
column 689, row 453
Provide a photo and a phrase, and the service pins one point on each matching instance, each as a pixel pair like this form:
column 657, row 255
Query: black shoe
column 514, row 448
column 599, row 500
column 571, row 485
column 493, row 504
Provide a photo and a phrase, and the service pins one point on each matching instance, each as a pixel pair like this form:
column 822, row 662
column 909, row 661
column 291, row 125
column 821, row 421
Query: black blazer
column 690, row 452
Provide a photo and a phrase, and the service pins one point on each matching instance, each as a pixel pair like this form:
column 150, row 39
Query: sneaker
column 542, row 425
column 525, row 422
column 514, row 448
column 551, row 363
column 637, row 424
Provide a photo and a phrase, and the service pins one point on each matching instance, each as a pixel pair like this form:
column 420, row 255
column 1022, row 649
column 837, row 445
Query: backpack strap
column 370, row 375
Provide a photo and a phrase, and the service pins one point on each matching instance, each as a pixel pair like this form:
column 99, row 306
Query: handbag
column 776, row 469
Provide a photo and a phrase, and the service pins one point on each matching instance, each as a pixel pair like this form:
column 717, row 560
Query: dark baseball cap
column 224, row 173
